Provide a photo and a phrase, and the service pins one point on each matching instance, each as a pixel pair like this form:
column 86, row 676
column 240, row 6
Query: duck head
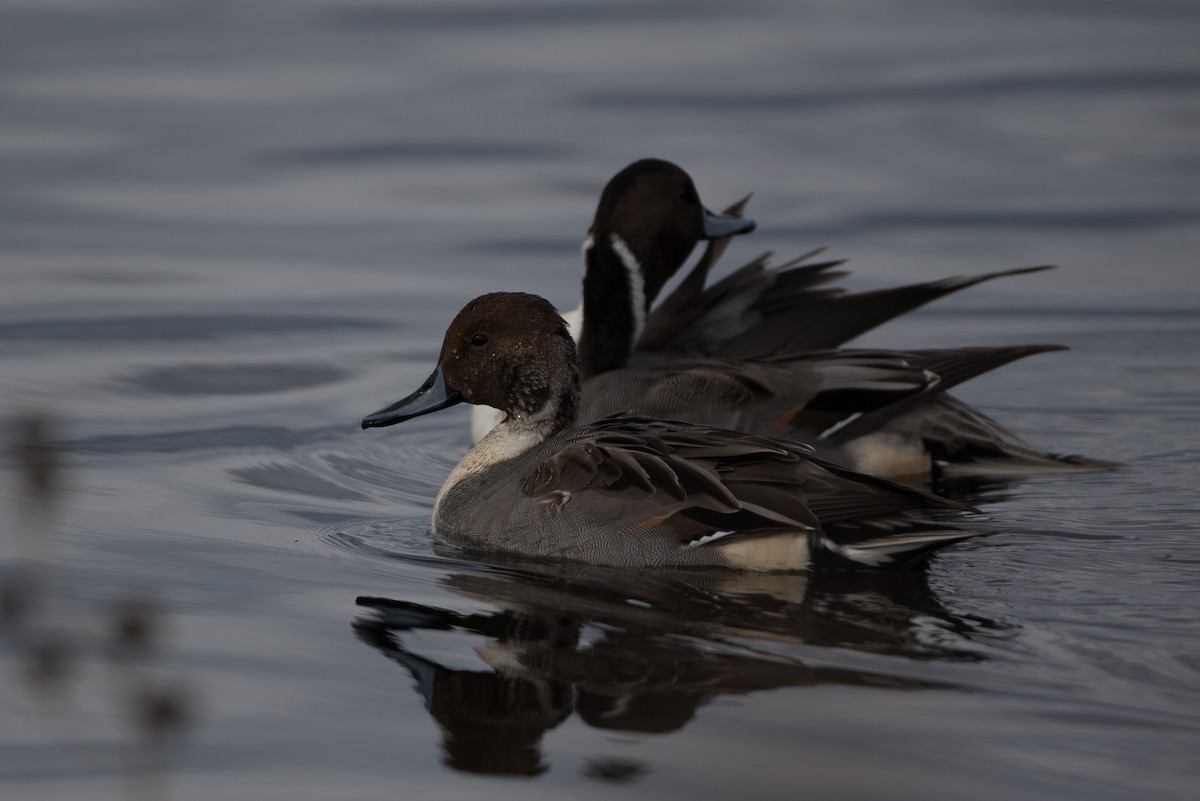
column 648, row 221
column 509, row 350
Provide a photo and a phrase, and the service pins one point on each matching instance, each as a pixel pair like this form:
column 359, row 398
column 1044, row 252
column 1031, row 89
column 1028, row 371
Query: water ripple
column 975, row 89
column 177, row 327
column 231, row 379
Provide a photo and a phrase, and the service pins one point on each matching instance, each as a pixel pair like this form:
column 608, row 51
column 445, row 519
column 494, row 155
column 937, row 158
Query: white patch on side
column 777, row 552
column 707, row 538
column 637, row 287
column 557, row 499
column 839, row 425
column 890, row 456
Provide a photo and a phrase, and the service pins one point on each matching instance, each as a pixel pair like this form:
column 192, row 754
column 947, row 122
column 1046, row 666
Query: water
column 230, row 230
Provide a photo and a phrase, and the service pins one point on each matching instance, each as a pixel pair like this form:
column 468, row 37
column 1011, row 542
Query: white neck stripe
column 637, row 288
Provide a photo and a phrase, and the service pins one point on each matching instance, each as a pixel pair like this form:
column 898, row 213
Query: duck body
column 631, row 491
column 752, row 352
column 635, row 492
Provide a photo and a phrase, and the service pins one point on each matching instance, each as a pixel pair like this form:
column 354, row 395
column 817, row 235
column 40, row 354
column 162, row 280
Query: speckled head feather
column 511, row 350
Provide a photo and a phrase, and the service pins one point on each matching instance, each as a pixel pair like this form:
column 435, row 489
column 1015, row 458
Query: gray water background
column 229, row 230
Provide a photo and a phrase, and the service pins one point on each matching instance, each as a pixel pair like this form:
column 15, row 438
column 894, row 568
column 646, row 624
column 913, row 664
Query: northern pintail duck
column 751, row 351
column 634, row 491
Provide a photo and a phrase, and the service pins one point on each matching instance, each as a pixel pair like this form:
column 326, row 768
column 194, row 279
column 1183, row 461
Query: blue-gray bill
column 721, row 225
column 432, row 396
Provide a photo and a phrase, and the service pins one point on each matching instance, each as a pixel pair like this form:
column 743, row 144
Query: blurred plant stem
column 55, row 637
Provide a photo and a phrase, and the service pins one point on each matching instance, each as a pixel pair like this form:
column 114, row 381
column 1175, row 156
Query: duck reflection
column 642, row 653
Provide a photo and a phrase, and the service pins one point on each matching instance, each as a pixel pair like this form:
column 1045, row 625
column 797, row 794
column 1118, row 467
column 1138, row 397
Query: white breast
column 504, row 442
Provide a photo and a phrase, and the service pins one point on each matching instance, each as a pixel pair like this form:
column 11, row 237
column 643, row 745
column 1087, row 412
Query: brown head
column 510, row 350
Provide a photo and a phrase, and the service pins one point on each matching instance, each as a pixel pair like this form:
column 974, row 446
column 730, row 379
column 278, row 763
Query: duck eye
column 479, row 339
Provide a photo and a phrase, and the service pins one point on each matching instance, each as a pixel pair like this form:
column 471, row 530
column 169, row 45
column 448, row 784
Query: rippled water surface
column 227, row 231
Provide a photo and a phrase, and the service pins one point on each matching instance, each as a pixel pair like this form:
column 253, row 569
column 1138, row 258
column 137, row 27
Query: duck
column 647, row 223
column 637, row 492
column 759, row 350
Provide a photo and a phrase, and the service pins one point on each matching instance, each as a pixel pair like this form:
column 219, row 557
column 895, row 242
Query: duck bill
column 433, row 396
column 721, row 225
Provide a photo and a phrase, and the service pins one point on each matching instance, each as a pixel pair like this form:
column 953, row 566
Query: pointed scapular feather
column 703, row 488
column 735, row 450
column 878, row 377
column 620, row 471
column 830, row 321
column 660, row 474
column 788, row 508
column 743, row 522
column 773, row 473
column 956, row 365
